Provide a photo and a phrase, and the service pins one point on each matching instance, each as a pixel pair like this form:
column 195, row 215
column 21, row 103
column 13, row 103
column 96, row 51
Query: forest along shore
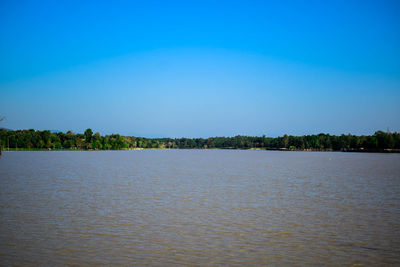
column 45, row 140
column 225, row 148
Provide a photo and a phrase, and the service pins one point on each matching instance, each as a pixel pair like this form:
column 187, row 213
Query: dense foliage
column 31, row 139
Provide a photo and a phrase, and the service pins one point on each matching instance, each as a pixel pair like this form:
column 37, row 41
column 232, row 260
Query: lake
column 199, row 207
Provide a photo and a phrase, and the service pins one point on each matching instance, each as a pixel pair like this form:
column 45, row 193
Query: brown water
column 199, row 207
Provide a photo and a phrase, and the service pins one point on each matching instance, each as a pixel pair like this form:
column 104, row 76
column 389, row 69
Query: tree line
column 31, row 139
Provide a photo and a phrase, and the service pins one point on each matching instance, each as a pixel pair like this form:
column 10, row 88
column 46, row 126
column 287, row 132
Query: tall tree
column 88, row 135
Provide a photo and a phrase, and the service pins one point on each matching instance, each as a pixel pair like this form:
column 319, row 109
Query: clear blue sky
column 201, row 68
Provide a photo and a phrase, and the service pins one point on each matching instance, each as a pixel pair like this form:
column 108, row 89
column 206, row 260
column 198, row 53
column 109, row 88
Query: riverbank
column 22, row 139
column 224, row 148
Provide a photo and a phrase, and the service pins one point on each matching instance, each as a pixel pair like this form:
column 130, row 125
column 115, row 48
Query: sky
column 201, row 68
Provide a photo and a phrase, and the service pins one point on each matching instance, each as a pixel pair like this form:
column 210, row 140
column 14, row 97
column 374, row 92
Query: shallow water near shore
column 199, row 207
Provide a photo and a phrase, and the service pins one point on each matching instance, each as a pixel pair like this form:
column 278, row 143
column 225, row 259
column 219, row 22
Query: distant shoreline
column 31, row 140
column 385, row 151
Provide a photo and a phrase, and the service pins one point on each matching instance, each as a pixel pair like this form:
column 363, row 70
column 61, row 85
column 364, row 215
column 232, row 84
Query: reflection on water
column 201, row 207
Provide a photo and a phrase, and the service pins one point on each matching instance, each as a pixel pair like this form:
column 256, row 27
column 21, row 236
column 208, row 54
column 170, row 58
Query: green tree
column 88, row 135
column 385, row 140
